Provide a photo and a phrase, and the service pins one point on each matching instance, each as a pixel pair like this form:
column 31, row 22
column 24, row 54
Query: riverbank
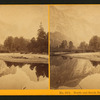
column 24, row 58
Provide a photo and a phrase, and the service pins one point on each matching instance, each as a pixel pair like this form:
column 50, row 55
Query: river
column 18, row 75
column 75, row 72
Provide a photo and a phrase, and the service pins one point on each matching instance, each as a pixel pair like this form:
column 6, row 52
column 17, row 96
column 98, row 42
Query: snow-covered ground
column 94, row 56
column 24, row 58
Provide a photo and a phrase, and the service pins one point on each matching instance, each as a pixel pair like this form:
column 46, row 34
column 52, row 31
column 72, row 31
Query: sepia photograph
column 75, row 47
column 24, row 47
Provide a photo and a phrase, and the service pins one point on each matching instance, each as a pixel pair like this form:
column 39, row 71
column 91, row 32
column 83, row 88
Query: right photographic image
column 75, row 46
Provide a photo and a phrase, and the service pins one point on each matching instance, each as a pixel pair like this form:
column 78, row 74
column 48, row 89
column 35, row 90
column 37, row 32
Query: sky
column 87, row 15
column 89, row 12
column 22, row 20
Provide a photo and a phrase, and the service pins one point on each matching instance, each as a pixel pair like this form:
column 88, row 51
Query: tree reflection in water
column 41, row 69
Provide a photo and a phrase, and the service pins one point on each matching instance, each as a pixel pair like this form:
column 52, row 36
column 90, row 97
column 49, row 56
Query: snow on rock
column 20, row 80
column 30, row 73
column 91, row 82
column 3, row 66
column 37, row 85
column 4, row 70
column 83, row 67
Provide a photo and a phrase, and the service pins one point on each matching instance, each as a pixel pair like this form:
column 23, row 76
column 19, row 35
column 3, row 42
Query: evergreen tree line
column 66, row 45
column 22, row 45
column 93, row 45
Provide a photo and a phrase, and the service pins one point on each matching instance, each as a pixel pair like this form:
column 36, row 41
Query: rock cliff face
column 70, row 25
column 70, row 71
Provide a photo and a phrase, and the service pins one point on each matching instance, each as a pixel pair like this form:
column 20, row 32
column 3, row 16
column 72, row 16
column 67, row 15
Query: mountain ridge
column 74, row 27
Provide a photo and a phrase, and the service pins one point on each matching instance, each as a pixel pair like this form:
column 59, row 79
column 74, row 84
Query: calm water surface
column 23, row 75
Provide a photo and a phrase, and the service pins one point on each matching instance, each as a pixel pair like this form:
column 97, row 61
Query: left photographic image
column 24, row 47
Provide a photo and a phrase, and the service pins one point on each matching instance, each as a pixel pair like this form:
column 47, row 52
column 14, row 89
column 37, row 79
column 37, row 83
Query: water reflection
column 69, row 72
column 40, row 68
column 9, row 64
column 95, row 63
